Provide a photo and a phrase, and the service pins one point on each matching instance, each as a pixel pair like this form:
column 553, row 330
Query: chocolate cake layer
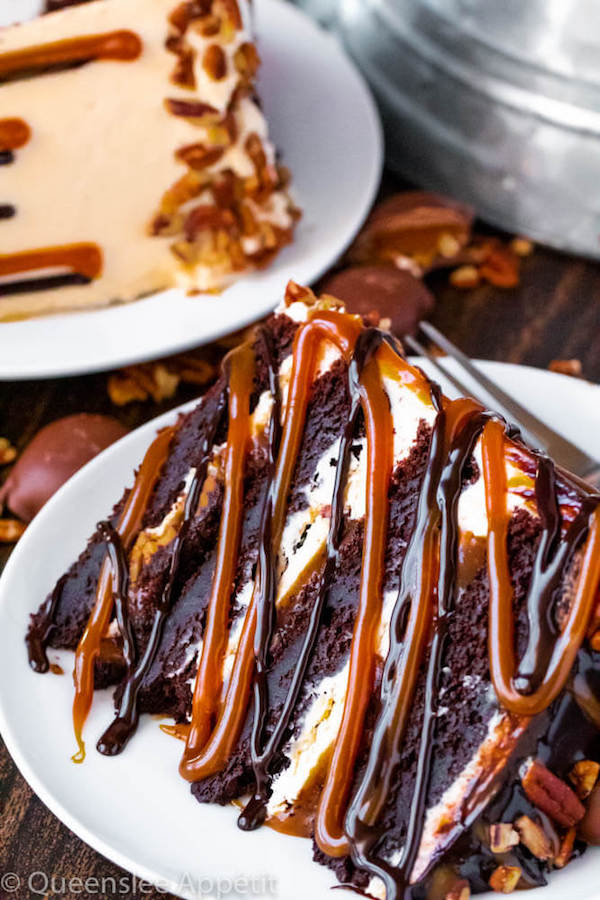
column 444, row 773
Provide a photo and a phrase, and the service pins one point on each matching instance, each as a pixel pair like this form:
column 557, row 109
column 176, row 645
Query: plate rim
column 9, row 735
column 372, row 129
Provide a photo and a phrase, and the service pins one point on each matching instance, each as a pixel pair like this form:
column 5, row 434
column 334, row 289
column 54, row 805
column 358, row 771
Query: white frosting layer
column 102, row 153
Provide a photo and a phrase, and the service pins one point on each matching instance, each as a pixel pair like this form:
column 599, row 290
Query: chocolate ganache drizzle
column 348, row 817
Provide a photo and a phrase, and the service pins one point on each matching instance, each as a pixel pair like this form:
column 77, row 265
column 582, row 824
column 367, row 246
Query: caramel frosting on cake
column 370, row 610
column 134, row 155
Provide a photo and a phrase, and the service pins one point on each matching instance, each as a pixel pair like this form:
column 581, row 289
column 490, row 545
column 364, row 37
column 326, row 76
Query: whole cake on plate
column 372, row 613
column 134, row 153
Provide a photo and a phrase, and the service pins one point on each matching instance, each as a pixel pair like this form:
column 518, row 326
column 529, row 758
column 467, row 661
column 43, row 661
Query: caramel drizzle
column 431, row 558
column 343, row 332
column 14, row 133
column 127, row 528
column 532, row 686
column 85, row 261
column 120, row 46
column 329, row 823
column 207, row 689
column 124, row 725
column 425, row 603
column 365, row 391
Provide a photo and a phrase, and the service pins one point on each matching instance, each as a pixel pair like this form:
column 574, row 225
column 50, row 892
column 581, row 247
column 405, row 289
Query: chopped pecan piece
column 461, row 891
column 233, row 12
column 7, row 452
column 521, row 246
column 297, row 293
column 500, row 266
column 140, row 382
column 190, row 109
column 214, row 62
column 197, row 156
column 566, row 849
column 11, row 530
column 246, row 60
column 446, row 884
column 552, row 795
column 503, row 837
column 570, row 367
column 534, row 838
column 584, row 776
column 206, row 217
column 183, row 73
column 187, row 11
column 504, row 879
column 465, row 277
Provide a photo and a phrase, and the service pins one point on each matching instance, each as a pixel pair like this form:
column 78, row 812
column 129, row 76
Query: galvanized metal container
column 496, row 102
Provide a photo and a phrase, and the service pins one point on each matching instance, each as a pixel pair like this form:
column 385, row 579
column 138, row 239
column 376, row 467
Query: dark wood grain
column 553, row 313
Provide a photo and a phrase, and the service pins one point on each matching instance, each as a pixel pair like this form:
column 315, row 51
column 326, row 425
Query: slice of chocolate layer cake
column 134, row 154
column 372, row 612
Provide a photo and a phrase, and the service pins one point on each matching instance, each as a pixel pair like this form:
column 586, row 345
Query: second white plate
column 324, row 121
column 135, row 808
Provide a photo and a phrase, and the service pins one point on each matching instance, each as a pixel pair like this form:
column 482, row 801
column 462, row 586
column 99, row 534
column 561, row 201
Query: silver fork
column 535, row 432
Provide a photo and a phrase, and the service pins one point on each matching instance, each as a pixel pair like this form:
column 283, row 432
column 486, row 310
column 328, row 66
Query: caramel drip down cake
column 134, row 155
column 372, row 613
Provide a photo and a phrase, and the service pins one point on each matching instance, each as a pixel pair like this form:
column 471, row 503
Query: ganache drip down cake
column 372, row 612
column 134, row 155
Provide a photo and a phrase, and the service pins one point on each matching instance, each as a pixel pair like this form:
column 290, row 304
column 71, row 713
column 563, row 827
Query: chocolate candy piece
column 55, row 453
column 391, row 293
column 417, row 230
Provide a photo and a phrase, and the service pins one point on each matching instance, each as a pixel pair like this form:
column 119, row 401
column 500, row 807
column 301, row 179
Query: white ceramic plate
column 324, row 121
column 134, row 808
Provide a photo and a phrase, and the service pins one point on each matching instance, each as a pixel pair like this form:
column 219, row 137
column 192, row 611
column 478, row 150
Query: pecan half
column 552, row 795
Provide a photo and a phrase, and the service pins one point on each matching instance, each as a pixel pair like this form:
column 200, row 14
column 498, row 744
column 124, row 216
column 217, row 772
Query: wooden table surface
column 553, row 313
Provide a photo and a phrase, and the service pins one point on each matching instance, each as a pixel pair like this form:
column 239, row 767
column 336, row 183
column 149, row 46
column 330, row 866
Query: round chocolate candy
column 385, row 291
column 56, row 452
